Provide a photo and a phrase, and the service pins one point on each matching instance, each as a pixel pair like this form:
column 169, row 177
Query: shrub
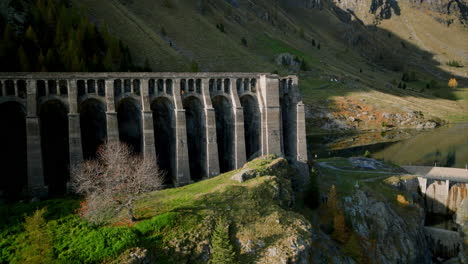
column 454, row 63
column 244, row 42
column 367, row 154
column 304, row 66
column 114, row 181
column 402, row 200
column 452, row 83
column 222, row 250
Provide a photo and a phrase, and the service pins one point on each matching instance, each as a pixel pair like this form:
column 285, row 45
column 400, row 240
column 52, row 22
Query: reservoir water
column 445, row 146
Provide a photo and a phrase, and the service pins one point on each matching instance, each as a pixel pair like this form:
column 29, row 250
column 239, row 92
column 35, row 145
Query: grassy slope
column 175, row 223
column 195, row 38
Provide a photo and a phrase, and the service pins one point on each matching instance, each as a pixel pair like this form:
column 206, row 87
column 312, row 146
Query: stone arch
column 288, row 117
column 53, row 116
column 183, row 86
column 21, row 88
column 169, row 86
column 93, row 126
column 130, row 123
column 252, row 126
column 191, row 86
column 41, row 88
column 13, row 159
column 227, row 86
column 194, row 115
column 91, row 84
column 164, row 136
column 224, row 132
column 118, row 88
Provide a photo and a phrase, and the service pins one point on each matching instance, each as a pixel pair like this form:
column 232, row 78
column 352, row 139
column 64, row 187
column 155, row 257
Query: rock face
column 397, row 239
column 385, row 9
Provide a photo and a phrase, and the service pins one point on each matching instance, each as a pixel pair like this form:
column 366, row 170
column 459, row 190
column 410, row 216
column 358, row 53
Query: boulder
column 244, row 175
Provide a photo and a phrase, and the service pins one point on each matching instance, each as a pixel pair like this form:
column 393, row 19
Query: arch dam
column 198, row 125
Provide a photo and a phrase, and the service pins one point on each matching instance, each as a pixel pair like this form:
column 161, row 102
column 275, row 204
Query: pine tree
column 332, row 202
column 147, row 66
column 313, row 42
column 107, row 63
column 40, row 62
column 23, row 60
column 38, row 239
column 222, row 250
column 340, row 231
column 31, row 35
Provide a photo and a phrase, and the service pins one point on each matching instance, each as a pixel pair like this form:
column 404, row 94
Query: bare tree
column 113, row 181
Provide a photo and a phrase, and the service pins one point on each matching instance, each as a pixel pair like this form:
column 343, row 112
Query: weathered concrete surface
column 439, row 173
column 279, row 136
column 444, row 243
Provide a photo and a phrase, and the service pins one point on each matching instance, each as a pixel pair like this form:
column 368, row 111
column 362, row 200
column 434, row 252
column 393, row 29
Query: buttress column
column 36, row 183
column 111, row 114
column 212, row 161
column 74, row 129
column 149, row 148
column 239, row 136
column 181, row 166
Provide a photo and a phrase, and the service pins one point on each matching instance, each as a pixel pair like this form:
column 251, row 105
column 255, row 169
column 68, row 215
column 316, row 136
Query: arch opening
column 13, row 159
column 252, row 126
column 93, row 126
column 224, row 132
column 130, row 126
column 53, row 116
column 195, row 136
column 287, row 117
column 164, row 136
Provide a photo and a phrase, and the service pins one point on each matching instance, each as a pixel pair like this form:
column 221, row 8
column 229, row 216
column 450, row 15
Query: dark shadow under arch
column 13, row 159
column 287, row 116
column 55, row 150
column 224, row 132
column 195, row 136
column 164, row 136
column 252, row 126
column 130, row 126
column 93, row 126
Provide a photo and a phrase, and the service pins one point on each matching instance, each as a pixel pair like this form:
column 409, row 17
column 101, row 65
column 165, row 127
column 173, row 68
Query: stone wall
column 195, row 130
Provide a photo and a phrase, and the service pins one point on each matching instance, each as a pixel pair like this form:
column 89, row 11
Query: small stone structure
column 197, row 124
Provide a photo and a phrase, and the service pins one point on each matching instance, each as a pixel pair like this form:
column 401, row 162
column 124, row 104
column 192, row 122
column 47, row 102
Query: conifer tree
column 31, row 35
column 23, row 60
column 222, row 250
column 40, row 62
column 38, row 240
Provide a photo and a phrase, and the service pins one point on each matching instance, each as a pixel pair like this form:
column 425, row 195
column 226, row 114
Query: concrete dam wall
column 198, row 125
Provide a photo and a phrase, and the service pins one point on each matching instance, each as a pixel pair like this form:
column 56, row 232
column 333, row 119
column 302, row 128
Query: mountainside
column 345, row 51
column 390, row 57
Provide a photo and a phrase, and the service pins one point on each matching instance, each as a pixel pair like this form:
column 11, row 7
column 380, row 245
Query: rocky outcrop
column 359, row 115
column 398, row 238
